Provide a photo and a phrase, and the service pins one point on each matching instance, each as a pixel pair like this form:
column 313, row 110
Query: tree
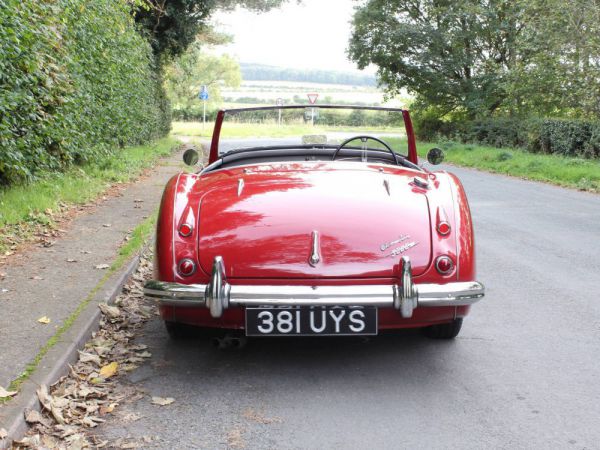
column 482, row 57
column 197, row 67
column 172, row 25
column 563, row 74
column 455, row 55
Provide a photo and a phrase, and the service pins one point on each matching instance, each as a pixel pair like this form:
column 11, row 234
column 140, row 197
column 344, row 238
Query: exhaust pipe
column 229, row 342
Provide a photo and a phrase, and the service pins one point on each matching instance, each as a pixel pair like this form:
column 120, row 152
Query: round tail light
column 444, row 265
column 186, row 267
column 185, row 230
column 443, row 228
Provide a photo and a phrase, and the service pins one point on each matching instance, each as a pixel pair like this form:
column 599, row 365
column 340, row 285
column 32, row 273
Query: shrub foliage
column 566, row 137
column 76, row 81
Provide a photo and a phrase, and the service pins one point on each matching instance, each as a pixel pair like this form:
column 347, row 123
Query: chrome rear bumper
column 219, row 295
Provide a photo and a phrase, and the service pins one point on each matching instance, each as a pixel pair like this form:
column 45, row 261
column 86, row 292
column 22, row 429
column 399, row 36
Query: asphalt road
column 523, row 373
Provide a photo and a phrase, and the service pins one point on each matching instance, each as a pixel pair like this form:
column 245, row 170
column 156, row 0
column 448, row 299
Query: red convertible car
column 315, row 239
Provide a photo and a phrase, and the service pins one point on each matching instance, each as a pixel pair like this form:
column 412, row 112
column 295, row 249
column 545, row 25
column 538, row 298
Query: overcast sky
column 313, row 35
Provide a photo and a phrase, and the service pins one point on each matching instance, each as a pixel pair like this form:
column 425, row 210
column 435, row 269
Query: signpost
column 279, row 102
column 312, row 99
column 203, row 95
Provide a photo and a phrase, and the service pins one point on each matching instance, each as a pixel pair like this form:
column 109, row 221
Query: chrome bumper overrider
column 219, row 295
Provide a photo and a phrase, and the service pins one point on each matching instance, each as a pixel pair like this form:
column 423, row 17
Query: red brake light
column 443, row 228
column 444, row 265
column 186, row 267
column 185, row 230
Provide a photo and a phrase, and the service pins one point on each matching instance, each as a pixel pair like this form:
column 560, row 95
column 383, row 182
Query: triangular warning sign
column 312, row 98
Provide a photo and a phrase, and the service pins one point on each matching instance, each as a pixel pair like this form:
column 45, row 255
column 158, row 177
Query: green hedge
column 325, row 117
column 567, row 137
column 76, row 81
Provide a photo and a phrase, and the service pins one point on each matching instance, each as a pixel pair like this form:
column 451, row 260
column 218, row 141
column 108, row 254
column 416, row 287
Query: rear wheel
column 443, row 330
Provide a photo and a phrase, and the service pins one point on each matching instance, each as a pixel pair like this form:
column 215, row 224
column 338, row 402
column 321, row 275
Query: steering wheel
column 364, row 139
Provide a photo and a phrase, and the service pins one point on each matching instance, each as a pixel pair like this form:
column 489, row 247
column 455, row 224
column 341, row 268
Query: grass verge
column 582, row 174
column 136, row 241
column 243, row 130
column 24, row 208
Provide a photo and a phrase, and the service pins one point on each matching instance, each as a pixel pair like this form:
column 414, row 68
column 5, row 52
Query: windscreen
column 311, row 126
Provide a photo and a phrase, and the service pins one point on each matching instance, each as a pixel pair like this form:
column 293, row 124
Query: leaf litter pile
column 85, row 397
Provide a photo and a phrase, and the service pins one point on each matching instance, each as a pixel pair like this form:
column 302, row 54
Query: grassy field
column 245, row 130
column 23, row 208
column 583, row 174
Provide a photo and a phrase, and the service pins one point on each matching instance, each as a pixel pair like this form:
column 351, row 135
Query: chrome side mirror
column 191, row 157
column 435, row 156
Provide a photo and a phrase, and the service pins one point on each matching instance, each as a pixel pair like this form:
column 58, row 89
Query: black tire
column 179, row 330
column 443, row 330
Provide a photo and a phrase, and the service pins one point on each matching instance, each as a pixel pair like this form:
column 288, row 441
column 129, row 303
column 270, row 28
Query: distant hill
column 260, row 72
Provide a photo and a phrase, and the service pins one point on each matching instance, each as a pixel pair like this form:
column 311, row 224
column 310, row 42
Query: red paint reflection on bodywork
column 266, row 231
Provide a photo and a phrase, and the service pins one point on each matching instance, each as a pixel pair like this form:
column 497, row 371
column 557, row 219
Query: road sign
column 203, row 94
column 279, row 102
column 312, row 98
column 311, row 113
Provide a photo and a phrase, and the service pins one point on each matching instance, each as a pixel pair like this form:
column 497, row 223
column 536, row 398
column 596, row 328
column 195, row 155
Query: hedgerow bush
column 429, row 127
column 77, row 81
column 566, row 137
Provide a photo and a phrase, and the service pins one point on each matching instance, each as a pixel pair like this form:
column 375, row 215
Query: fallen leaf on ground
column 101, row 266
column 45, row 320
column 111, row 311
column 76, row 442
column 129, row 444
column 48, row 401
column 30, row 441
column 130, row 417
column 109, row 370
column 235, row 438
column 137, row 347
column 71, row 260
column 92, row 421
column 85, row 252
column 33, row 416
column 106, row 225
column 89, row 357
column 107, row 409
column 36, row 277
column 138, row 200
column 4, row 393
column 162, row 401
column 47, row 243
column 3, row 433
column 3, row 290
column 258, row 417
